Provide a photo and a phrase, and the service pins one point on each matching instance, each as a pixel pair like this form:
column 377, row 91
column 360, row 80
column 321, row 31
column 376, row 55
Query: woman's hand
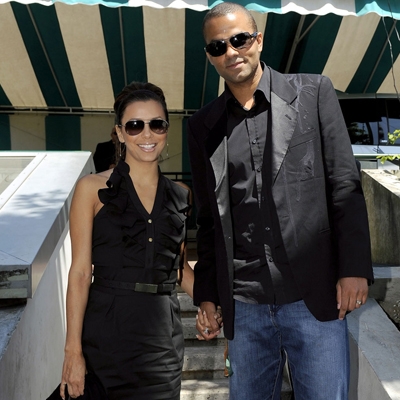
column 73, row 375
column 208, row 321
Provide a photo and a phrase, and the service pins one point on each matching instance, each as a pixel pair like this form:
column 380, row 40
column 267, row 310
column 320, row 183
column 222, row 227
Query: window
column 369, row 119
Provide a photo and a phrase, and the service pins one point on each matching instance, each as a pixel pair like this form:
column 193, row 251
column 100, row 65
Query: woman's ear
column 119, row 133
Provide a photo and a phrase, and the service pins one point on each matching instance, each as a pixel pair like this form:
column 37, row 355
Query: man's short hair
column 223, row 9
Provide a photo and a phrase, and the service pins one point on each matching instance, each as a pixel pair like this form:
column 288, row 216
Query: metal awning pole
column 380, row 56
column 298, row 38
column 121, row 32
column 204, row 83
column 46, row 55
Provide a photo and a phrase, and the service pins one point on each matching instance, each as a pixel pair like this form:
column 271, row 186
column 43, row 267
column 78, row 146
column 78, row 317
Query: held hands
column 208, row 321
column 351, row 293
column 73, row 375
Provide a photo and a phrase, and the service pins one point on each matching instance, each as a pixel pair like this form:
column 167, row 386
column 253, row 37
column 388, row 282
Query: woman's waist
column 135, row 280
column 142, row 287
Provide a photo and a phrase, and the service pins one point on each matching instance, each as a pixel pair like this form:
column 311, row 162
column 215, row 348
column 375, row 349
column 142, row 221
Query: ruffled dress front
column 133, row 340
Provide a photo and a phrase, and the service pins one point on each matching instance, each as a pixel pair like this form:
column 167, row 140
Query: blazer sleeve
column 344, row 192
column 205, row 276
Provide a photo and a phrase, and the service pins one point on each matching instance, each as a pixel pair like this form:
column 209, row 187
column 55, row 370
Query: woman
column 124, row 328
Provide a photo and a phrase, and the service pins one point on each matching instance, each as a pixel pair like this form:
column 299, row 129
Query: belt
column 136, row 287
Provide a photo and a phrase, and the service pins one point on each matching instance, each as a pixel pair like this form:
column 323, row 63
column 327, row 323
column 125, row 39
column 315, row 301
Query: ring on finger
column 206, row 331
column 359, row 302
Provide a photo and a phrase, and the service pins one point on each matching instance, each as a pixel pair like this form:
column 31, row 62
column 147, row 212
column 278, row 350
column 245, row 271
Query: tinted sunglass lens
column 134, row 127
column 219, row 47
column 216, row 48
column 239, row 40
column 158, row 126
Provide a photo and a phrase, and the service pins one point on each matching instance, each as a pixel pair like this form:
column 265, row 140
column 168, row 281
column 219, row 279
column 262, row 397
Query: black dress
column 132, row 333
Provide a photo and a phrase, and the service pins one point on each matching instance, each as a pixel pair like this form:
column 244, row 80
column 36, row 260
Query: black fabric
column 94, row 390
column 104, row 156
column 315, row 188
column 133, row 340
column 262, row 272
column 136, row 287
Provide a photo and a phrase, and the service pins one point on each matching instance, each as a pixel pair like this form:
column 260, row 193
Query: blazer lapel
column 216, row 141
column 219, row 162
column 284, row 119
column 217, row 149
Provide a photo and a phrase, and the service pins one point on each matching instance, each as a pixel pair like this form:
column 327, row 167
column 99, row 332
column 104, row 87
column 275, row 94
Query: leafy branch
column 392, row 137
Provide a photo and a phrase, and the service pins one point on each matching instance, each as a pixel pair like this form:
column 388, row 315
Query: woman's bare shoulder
column 99, row 179
column 90, row 184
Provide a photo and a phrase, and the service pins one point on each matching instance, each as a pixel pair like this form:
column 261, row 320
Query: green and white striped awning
column 65, row 56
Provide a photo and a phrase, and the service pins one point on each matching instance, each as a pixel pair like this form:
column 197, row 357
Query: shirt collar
column 264, row 86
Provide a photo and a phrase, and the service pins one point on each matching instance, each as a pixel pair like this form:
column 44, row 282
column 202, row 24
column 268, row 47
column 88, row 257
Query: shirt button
column 254, row 141
column 149, row 221
column 150, row 240
column 267, row 228
column 270, row 259
column 258, row 169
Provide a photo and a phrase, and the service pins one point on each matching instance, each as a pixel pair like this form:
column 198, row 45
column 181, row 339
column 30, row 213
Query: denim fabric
column 318, row 353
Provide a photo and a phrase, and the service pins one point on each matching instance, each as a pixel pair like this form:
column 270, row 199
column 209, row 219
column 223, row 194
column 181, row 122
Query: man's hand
column 351, row 293
column 208, row 321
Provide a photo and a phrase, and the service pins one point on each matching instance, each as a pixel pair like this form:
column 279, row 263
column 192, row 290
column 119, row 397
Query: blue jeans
column 318, row 353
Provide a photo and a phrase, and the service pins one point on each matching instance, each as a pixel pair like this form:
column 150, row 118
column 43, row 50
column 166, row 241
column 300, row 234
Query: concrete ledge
column 386, row 290
column 382, row 196
column 9, row 317
column 33, row 215
column 374, row 353
column 387, row 282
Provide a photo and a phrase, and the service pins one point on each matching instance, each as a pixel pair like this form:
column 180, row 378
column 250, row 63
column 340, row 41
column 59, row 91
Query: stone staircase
column 203, row 368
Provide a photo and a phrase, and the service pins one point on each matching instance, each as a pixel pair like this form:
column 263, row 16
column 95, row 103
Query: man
column 104, row 156
column 283, row 241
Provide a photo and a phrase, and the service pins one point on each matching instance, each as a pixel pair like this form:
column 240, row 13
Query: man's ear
column 260, row 41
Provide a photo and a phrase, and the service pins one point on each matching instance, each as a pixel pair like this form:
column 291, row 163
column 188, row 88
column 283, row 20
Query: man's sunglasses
column 135, row 126
column 239, row 41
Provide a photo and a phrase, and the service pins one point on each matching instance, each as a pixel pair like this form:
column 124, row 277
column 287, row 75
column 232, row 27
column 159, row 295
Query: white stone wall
column 31, row 366
column 382, row 195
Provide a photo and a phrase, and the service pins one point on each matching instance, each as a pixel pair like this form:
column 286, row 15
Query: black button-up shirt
column 262, row 273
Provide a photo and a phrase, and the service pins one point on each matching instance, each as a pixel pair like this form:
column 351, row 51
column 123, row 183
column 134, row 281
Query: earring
column 167, row 150
column 121, row 149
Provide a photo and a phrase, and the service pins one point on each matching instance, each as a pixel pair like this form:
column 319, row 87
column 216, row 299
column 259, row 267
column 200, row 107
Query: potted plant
column 394, row 158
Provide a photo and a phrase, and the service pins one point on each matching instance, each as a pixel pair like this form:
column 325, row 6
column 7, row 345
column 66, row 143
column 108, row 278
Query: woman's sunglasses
column 239, row 41
column 135, row 126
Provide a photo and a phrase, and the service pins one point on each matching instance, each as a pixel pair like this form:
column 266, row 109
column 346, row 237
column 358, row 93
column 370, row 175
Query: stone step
column 217, row 389
column 186, row 304
column 217, row 342
column 208, row 364
column 203, row 375
column 197, row 389
column 204, row 359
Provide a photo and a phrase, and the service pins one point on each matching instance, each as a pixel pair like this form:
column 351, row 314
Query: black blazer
column 316, row 189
